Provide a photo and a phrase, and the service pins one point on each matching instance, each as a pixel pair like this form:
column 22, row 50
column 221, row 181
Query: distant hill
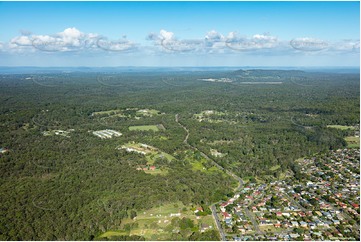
column 263, row 73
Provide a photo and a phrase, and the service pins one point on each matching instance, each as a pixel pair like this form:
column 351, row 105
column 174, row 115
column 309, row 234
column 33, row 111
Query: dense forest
column 77, row 186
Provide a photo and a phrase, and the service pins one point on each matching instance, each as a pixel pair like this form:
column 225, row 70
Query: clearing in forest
column 147, row 127
column 342, row 127
column 353, row 142
column 65, row 133
column 151, row 153
column 156, row 223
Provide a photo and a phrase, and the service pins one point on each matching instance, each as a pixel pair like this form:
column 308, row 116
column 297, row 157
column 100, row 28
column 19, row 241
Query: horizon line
column 140, row 66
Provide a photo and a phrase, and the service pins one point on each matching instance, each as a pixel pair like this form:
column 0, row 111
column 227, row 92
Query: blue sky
column 179, row 33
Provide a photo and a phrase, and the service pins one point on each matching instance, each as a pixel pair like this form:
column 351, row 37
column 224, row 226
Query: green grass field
column 158, row 155
column 353, row 142
column 148, row 112
column 109, row 234
column 160, row 216
column 157, row 172
column 274, row 168
column 108, row 112
column 144, row 128
column 342, row 127
column 151, row 154
column 168, row 156
column 197, row 166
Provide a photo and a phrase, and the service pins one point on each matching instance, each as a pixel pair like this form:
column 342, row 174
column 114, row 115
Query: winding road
column 239, row 180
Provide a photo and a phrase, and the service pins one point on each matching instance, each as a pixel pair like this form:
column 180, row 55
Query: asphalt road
column 218, row 223
column 213, row 208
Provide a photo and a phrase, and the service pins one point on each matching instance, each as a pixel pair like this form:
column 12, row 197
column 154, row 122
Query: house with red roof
column 277, row 224
column 355, row 205
column 226, row 215
column 200, row 209
column 224, row 204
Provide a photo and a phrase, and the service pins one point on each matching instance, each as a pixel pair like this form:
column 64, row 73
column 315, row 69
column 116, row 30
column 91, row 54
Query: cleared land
column 148, row 112
column 157, row 172
column 342, row 127
column 151, row 153
column 216, row 153
column 107, row 133
column 109, row 234
column 353, row 142
column 216, row 80
column 108, row 113
column 147, row 127
column 58, row 132
column 130, row 113
column 156, row 223
column 144, row 128
column 199, row 163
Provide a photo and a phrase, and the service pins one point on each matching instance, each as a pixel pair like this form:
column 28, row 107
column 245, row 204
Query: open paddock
column 144, row 128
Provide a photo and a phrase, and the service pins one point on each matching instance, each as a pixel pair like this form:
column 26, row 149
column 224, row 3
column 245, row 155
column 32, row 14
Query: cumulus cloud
column 214, row 41
column 164, row 41
column 309, row 44
column 19, row 44
column 21, row 41
column 214, row 36
column 254, row 43
column 170, row 43
column 116, row 45
column 166, row 35
column 211, row 42
column 71, row 39
column 346, row 46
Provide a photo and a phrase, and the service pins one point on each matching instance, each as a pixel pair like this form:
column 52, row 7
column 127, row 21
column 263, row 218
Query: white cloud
column 71, row 33
column 72, row 36
column 214, row 36
column 118, row 45
column 170, row 43
column 71, row 39
column 346, row 46
column 21, row 41
column 166, row 35
column 163, row 35
column 19, row 44
column 309, row 44
column 254, row 43
column 213, row 42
